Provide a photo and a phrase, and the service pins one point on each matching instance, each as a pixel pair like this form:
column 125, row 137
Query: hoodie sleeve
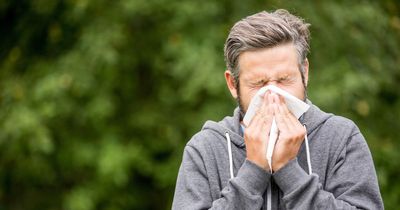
column 193, row 191
column 350, row 184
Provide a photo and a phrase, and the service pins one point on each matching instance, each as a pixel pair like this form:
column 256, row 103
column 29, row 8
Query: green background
column 98, row 98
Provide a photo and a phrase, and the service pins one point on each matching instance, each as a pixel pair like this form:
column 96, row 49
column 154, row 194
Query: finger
column 260, row 109
column 271, row 102
column 267, row 120
column 284, row 111
column 295, row 129
column 263, row 111
column 280, row 120
column 264, row 104
column 292, row 120
column 268, row 108
column 255, row 122
column 251, row 132
column 280, row 115
column 253, row 119
column 270, row 116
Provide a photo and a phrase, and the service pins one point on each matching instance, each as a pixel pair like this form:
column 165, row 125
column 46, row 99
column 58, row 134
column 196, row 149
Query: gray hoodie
column 343, row 174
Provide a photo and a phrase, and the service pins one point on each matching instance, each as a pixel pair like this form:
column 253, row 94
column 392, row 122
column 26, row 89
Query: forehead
column 282, row 58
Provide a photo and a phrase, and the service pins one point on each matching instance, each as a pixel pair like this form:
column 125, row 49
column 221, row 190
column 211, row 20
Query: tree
column 98, row 98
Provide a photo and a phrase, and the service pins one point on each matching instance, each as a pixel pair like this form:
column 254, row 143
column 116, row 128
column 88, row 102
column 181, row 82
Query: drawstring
column 231, row 161
column 230, row 154
column 308, row 153
column 269, row 191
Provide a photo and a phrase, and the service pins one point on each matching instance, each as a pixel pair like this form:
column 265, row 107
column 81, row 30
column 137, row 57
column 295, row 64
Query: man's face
column 273, row 66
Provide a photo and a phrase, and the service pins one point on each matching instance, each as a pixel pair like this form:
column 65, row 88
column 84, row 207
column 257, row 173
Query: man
column 224, row 165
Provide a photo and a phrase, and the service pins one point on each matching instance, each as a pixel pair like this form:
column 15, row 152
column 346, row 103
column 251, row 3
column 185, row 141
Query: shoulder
column 344, row 137
column 341, row 127
column 336, row 132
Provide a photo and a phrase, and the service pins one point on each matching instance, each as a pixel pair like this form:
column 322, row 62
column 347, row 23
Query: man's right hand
column 257, row 132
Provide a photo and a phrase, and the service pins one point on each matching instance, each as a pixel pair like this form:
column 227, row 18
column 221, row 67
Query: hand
column 291, row 134
column 257, row 132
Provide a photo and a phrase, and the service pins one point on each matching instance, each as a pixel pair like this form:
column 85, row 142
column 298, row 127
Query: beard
column 241, row 108
column 240, row 102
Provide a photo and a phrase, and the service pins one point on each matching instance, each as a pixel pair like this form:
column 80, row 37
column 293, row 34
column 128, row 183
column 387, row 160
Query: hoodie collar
column 313, row 118
column 230, row 124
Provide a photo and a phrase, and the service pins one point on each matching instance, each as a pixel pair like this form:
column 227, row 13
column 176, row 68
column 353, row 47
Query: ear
column 306, row 66
column 230, row 82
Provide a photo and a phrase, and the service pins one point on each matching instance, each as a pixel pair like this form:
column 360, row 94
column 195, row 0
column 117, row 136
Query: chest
column 218, row 166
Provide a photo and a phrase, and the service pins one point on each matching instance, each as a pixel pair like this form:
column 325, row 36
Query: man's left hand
column 291, row 134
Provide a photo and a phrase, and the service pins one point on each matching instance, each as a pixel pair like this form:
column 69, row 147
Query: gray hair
column 266, row 30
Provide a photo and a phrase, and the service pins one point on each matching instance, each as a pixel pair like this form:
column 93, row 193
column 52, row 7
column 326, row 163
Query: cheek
column 245, row 96
column 298, row 91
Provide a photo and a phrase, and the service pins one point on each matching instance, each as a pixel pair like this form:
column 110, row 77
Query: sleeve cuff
column 290, row 176
column 253, row 178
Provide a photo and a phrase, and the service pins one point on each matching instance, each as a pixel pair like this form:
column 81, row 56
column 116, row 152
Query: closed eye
column 285, row 79
column 259, row 83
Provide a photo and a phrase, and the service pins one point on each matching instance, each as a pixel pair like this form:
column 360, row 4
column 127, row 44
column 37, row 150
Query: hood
column 230, row 125
column 312, row 119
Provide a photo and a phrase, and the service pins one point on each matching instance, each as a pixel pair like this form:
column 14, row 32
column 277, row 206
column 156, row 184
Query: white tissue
column 295, row 105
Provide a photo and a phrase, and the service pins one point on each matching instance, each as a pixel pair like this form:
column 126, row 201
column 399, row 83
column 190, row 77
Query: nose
column 274, row 83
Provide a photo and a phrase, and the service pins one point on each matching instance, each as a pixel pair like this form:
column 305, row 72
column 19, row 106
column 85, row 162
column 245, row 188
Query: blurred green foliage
column 98, row 98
